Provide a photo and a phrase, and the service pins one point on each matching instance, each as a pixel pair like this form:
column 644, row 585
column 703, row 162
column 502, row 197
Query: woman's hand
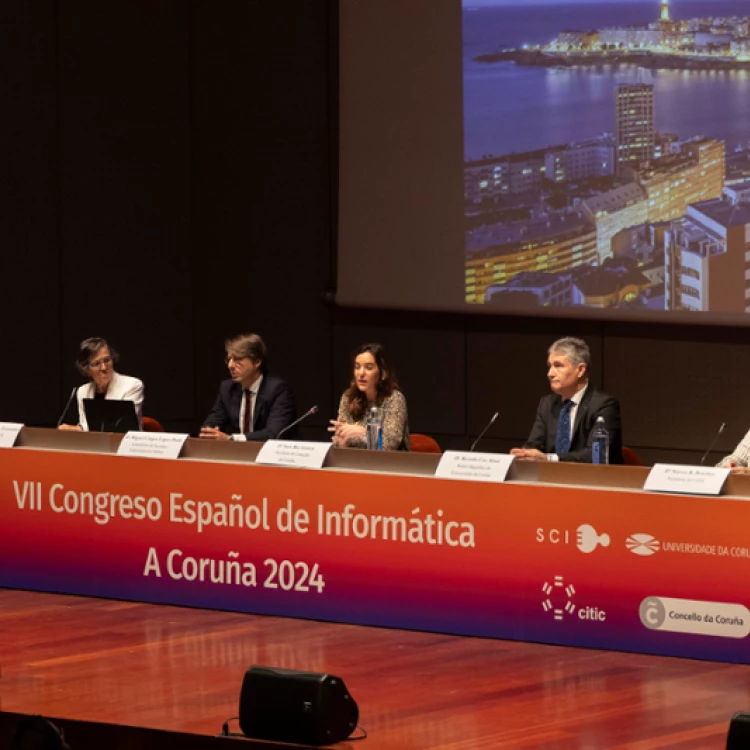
column 70, row 427
column 343, row 432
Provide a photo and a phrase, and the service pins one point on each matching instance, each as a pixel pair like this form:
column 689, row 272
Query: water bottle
column 374, row 429
column 600, row 443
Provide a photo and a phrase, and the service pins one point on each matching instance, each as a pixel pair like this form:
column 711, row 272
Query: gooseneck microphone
column 713, row 442
column 312, row 410
column 67, row 404
column 481, row 434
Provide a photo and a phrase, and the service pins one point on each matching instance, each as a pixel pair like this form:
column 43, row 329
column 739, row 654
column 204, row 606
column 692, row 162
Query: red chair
column 149, row 424
column 423, row 443
column 630, row 457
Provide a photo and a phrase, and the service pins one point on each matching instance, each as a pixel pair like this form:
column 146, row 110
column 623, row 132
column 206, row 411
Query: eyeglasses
column 106, row 361
column 229, row 359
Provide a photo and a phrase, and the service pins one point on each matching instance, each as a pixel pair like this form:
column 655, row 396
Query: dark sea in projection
column 509, row 108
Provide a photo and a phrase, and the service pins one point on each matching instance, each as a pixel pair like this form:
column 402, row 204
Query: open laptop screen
column 105, row 415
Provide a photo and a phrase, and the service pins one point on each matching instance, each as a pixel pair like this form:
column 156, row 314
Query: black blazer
column 594, row 404
column 274, row 409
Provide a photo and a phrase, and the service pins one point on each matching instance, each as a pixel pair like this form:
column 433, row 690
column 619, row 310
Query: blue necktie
column 562, row 439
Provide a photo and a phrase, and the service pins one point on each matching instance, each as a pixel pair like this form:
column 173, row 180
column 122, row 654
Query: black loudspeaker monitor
column 739, row 732
column 285, row 705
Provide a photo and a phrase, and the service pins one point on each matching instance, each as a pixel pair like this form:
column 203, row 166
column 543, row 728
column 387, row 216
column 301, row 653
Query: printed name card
column 152, row 444
column 690, row 480
column 293, row 453
column 8, row 433
column 475, row 467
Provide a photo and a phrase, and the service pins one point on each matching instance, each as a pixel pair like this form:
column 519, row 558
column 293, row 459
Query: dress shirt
column 253, row 395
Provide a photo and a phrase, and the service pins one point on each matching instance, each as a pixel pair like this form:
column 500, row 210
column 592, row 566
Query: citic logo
column 558, row 599
column 585, row 537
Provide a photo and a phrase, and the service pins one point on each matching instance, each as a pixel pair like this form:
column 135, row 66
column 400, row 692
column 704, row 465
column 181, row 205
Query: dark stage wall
column 169, row 178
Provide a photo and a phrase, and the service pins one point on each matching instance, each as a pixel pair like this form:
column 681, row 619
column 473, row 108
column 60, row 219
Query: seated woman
column 374, row 384
column 96, row 359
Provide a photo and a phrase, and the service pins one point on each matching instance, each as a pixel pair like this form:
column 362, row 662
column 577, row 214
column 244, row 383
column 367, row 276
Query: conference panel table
column 559, row 553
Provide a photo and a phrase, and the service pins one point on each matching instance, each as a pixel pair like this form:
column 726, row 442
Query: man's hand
column 528, row 454
column 213, row 433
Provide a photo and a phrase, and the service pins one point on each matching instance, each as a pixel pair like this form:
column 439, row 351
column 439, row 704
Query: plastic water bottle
column 600, row 443
column 374, row 429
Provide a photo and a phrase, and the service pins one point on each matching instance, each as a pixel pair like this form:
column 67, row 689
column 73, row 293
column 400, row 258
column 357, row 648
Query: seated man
column 253, row 405
column 565, row 418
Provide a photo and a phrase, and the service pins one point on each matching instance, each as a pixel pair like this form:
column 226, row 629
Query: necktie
column 247, row 420
column 562, row 439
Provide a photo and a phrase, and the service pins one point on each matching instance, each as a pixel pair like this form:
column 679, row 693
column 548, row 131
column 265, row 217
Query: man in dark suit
column 253, row 405
column 566, row 417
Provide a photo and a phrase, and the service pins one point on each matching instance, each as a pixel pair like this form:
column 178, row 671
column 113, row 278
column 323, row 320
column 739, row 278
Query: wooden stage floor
column 181, row 669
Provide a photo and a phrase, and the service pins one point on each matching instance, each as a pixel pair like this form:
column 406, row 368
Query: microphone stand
column 312, row 410
column 482, row 433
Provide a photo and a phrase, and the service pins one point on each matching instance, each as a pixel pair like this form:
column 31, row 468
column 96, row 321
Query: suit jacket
column 121, row 388
column 593, row 404
column 274, row 409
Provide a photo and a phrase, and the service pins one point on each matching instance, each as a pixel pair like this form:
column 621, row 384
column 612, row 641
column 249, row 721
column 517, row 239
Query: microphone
column 713, row 442
column 67, row 404
column 312, row 410
column 481, row 434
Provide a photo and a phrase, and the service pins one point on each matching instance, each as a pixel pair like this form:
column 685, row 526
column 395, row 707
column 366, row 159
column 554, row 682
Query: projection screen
column 578, row 158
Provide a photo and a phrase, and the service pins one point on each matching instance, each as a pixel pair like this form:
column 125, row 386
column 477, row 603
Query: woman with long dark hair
column 373, row 384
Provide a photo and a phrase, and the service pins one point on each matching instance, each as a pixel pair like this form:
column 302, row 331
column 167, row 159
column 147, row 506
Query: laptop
column 105, row 415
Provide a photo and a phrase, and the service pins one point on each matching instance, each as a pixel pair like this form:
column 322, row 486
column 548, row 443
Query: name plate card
column 475, row 467
column 152, row 444
column 8, row 433
column 690, row 480
column 293, row 453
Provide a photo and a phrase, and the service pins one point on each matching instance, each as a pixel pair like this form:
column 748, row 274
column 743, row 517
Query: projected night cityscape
column 607, row 154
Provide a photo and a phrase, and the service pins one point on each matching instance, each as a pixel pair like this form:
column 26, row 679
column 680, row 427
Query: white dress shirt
column 253, row 395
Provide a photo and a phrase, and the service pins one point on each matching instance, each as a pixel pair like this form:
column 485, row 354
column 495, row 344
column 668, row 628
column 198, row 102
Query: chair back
column 630, row 457
column 423, row 443
column 149, row 424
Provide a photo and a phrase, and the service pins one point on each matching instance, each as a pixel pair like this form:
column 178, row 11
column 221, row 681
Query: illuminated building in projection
column 494, row 177
column 684, row 42
column 673, row 183
column 580, row 160
column 555, row 243
column 591, row 286
column 543, row 288
column 609, row 287
column 614, row 211
column 706, row 256
column 635, row 133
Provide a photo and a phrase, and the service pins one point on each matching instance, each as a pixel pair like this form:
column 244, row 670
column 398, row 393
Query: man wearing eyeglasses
column 253, row 404
column 96, row 360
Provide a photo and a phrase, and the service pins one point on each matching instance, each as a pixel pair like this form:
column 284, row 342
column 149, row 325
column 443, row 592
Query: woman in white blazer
column 96, row 360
